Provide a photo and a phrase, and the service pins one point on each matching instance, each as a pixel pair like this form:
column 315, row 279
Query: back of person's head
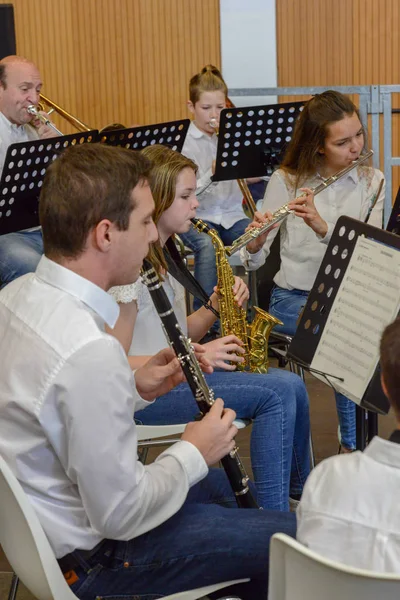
column 86, row 184
column 166, row 167
column 208, row 80
column 390, row 364
column 112, row 127
column 303, row 156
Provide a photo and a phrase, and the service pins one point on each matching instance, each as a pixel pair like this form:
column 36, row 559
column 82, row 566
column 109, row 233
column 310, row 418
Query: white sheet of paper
column 368, row 299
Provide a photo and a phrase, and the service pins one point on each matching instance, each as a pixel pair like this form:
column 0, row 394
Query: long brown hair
column 166, row 167
column 208, row 80
column 303, row 157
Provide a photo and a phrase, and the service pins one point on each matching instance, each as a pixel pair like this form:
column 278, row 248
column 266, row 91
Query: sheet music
column 368, row 299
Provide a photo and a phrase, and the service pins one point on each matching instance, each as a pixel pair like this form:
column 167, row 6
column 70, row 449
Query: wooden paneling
column 125, row 61
column 340, row 42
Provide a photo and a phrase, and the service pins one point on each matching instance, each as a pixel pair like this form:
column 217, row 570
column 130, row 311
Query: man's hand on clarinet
column 162, row 372
column 214, row 435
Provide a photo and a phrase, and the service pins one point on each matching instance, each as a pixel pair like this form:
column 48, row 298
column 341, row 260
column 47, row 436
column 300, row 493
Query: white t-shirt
column 350, row 511
column 67, row 402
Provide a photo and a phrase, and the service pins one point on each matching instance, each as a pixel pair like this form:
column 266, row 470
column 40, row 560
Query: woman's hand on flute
column 259, row 220
column 304, row 207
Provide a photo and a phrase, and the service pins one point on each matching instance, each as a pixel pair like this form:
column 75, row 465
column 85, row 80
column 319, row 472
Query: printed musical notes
column 367, row 300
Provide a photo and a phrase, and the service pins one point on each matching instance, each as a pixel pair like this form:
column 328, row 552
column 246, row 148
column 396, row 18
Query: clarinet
column 203, row 395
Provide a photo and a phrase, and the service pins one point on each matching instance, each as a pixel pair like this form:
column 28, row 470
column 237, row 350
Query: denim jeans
column 202, row 544
column 20, row 253
column 205, row 269
column 277, row 403
column 286, row 305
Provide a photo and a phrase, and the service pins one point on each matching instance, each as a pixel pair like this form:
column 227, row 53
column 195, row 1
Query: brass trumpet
column 32, row 110
column 46, row 102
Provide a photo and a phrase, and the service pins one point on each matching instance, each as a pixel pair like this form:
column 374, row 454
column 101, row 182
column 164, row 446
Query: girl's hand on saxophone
column 304, row 207
column 259, row 219
column 222, row 352
column 240, row 290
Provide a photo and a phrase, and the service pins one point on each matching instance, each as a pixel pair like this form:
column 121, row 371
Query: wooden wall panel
column 340, row 42
column 118, row 60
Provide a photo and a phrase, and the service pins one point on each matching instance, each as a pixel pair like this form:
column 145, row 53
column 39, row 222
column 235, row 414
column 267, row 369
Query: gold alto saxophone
column 233, row 317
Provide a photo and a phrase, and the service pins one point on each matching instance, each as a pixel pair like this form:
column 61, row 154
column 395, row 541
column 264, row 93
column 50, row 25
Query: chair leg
column 312, row 457
column 142, row 454
column 14, row 587
column 300, row 372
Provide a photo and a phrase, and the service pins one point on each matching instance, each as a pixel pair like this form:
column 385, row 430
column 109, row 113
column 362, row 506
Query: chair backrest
column 265, row 274
column 297, row 573
column 25, row 543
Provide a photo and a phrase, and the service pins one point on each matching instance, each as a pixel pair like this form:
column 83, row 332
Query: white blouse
column 301, row 249
column 148, row 335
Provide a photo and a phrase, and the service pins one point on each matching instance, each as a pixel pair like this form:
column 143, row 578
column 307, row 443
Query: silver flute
column 32, row 110
column 284, row 211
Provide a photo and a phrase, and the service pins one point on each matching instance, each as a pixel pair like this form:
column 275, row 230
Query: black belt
column 71, row 561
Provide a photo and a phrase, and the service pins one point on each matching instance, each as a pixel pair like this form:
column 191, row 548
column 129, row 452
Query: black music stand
column 253, row 139
column 22, row 178
column 171, row 134
column 394, row 220
column 320, row 303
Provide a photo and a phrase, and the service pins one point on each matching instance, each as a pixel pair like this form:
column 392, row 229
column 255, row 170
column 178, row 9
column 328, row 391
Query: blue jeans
column 278, row 405
column 20, row 253
column 286, row 305
column 205, row 270
column 202, row 544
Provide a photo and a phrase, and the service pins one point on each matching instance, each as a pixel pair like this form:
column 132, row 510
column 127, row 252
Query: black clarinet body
column 203, row 395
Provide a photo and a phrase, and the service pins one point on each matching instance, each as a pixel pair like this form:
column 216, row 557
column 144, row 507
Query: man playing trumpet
column 20, row 85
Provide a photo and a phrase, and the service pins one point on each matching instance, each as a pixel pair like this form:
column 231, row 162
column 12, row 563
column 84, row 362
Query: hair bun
column 211, row 69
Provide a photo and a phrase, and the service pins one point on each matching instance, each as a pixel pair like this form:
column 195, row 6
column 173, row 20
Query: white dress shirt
column 67, row 399
column 350, row 509
column 301, row 249
column 220, row 201
column 11, row 134
column 148, row 335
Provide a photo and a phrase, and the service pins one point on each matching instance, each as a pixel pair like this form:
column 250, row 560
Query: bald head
column 11, row 62
column 20, row 85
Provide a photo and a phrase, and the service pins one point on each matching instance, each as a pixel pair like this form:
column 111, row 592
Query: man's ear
column 103, row 235
column 383, row 384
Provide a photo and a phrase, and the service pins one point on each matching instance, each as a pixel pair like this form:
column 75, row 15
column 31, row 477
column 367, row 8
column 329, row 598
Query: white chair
column 29, row 552
column 297, row 573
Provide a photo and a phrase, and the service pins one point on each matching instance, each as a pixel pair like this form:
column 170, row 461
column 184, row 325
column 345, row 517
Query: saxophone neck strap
column 180, row 272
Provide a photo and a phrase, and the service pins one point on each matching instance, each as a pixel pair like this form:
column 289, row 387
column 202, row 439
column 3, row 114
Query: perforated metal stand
column 22, row 178
column 252, row 139
column 171, row 134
